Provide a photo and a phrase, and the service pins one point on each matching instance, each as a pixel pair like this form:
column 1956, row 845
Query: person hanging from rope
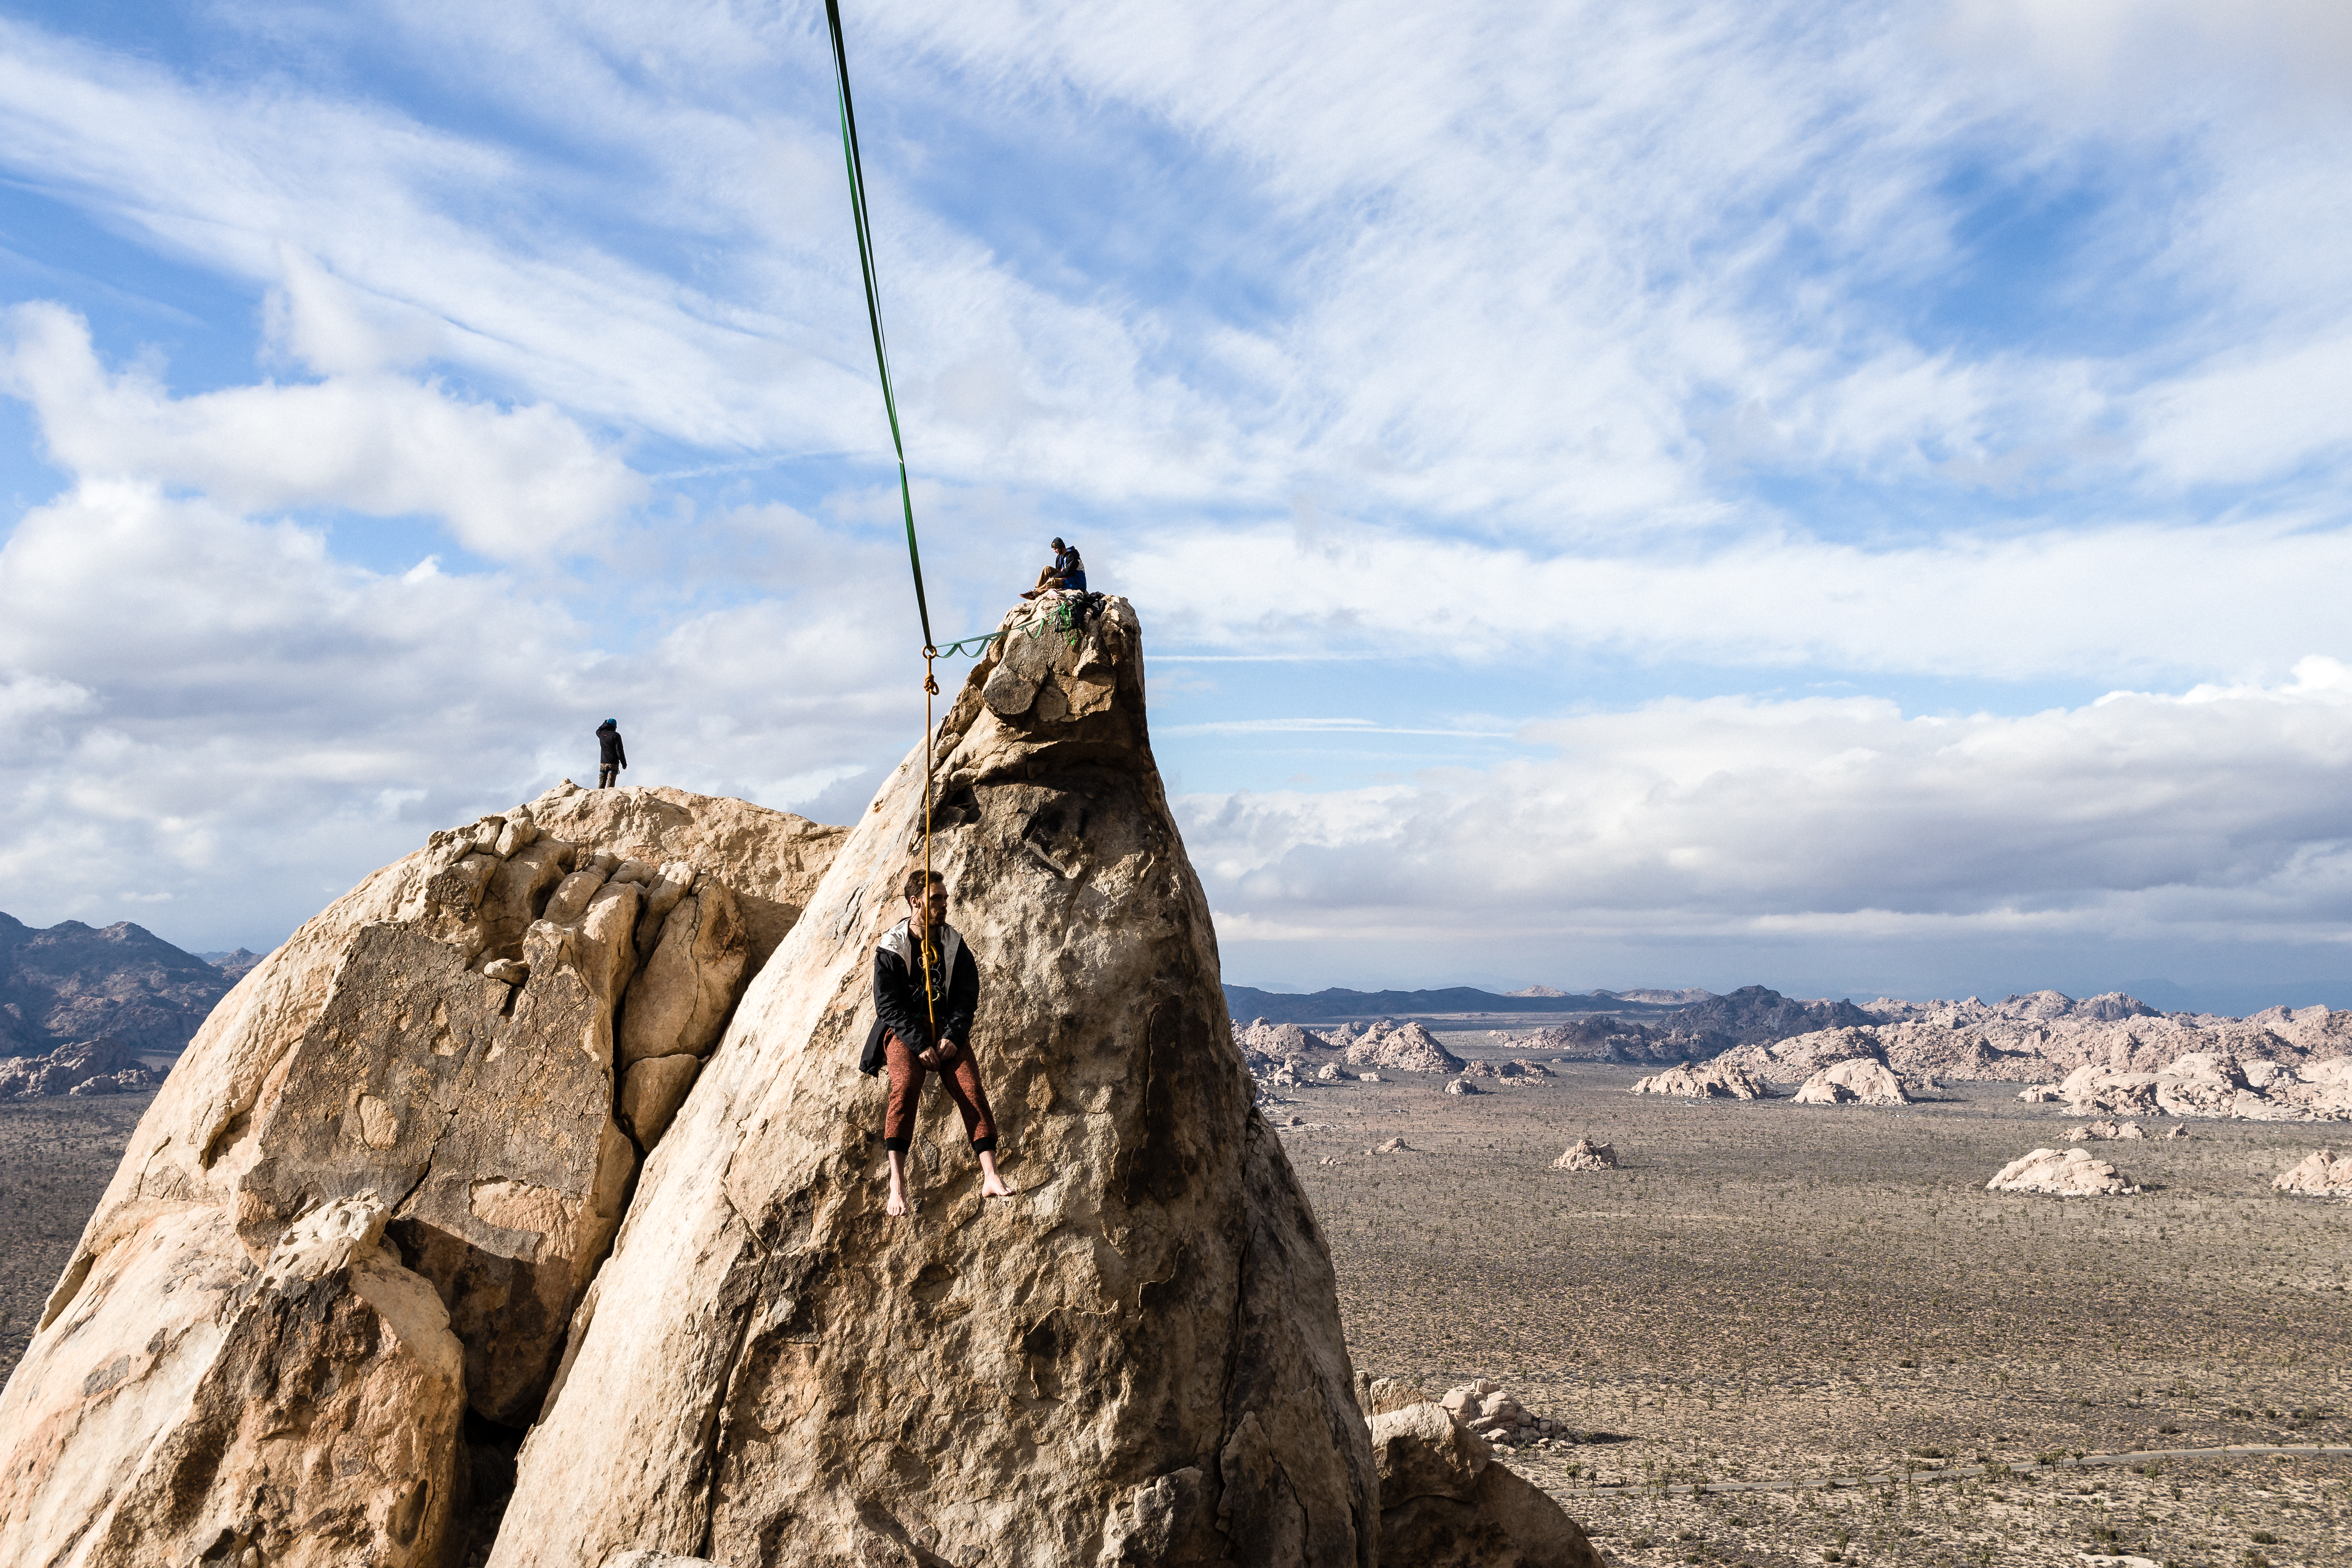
column 924, row 1026
column 1069, row 571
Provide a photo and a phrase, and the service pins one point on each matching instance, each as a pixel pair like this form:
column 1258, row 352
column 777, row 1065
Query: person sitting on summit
column 1069, row 571
column 924, row 1026
column 611, row 757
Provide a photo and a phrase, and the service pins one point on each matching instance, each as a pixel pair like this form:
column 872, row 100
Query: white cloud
column 2209, row 813
column 512, row 483
column 2117, row 603
column 213, row 715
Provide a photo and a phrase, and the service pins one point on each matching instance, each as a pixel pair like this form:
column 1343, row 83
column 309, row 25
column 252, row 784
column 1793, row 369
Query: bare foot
column 992, row 1185
column 897, row 1203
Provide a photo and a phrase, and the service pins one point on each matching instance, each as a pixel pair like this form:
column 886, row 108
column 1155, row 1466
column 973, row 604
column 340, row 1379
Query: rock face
column 1857, row 1081
column 305, row 1410
column 2323, row 1175
column 1715, row 1080
column 2067, row 1174
column 1445, row 1503
column 441, row 1045
column 103, row 1066
column 1136, row 1360
column 1584, row 1154
column 1407, row 1047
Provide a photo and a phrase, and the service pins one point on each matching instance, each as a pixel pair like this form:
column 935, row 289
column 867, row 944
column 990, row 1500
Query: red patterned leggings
column 962, row 1078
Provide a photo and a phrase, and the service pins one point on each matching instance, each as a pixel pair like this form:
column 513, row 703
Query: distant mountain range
column 1338, row 1004
column 74, row 982
column 1702, row 1024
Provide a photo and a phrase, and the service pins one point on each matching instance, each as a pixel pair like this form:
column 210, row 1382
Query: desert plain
column 1800, row 1299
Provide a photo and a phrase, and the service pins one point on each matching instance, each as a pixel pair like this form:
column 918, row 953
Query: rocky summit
column 555, row 1127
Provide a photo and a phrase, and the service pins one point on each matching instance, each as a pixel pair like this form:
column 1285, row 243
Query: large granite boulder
column 192, row 1405
column 1137, row 1360
column 2061, row 1173
column 441, row 1045
column 1445, row 1503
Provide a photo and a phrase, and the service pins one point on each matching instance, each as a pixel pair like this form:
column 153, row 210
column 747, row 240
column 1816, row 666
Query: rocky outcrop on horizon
column 1858, row 1080
column 2046, row 1036
column 1599, row 1038
column 73, row 983
column 443, row 1056
column 1712, row 1080
column 2213, row 1084
column 103, row 1066
column 1402, row 1048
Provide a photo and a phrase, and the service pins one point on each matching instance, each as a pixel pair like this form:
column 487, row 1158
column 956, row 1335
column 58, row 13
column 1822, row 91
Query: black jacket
column 608, row 747
column 899, row 1005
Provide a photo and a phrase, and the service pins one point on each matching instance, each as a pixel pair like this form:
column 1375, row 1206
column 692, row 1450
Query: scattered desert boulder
column 103, row 1066
column 1407, row 1047
column 1715, row 1080
column 1584, row 1154
column 1445, row 1503
column 2323, row 1175
column 2105, row 1129
column 1855, row 1080
column 1260, row 1040
column 1140, row 1360
column 1483, row 1407
column 1510, row 1072
column 1462, row 1086
column 1597, row 1039
column 372, row 1060
column 1800, row 1056
column 1393, row 1146
column 2066, row 1174
column 188, row 1404
column 1379, row 1395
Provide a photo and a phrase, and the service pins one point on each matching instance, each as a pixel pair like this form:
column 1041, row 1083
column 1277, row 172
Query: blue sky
column 1844, row 497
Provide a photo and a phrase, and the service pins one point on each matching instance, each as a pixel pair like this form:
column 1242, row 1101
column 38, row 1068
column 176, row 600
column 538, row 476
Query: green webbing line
column 873, row 298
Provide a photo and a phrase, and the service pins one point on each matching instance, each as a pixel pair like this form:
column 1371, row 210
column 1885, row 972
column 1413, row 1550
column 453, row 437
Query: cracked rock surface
column 1138, row 1360
column 442, row 1047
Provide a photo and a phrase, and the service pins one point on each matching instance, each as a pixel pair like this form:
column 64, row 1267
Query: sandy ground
column 56, row 1158
column 1767, row 1292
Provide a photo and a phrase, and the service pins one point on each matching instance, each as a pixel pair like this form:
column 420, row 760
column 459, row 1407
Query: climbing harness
column 905, row 494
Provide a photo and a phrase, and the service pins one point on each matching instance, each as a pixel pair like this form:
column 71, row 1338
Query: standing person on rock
column 923, row 1025
column 611, row 755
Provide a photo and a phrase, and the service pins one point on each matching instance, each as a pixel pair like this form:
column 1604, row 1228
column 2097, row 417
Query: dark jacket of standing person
column 899, row 1006
column 609, row 751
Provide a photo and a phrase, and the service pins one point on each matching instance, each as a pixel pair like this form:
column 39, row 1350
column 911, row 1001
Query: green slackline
column 874, row 299
column 971, row 647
